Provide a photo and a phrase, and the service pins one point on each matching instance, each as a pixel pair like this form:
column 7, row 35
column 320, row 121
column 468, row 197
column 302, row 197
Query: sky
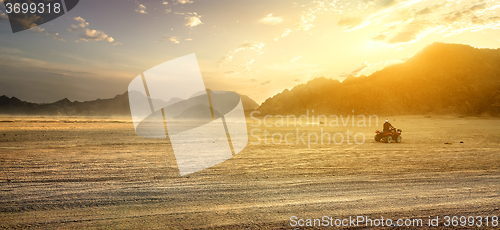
column 256, row 48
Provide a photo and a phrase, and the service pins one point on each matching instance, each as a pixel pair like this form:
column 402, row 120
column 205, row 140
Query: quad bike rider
column 389, row 134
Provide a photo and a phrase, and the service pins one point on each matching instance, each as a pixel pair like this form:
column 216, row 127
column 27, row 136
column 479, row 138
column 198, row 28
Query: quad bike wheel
column 377, row 137
column 398, row 140
column 388, row 139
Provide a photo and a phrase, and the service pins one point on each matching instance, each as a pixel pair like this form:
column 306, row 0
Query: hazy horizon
column 256, row 48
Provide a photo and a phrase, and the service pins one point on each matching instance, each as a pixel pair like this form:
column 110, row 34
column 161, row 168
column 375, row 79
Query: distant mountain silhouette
column 248, row 103
column 117, row 106
column 440, row 79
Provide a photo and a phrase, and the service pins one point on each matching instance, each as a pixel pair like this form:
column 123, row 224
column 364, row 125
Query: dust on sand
column 73, row 172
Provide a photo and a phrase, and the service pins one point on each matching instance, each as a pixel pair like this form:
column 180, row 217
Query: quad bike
column 388, row 137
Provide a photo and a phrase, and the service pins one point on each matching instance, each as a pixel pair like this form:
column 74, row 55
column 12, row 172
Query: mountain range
column 117, row 106
column 440, row 79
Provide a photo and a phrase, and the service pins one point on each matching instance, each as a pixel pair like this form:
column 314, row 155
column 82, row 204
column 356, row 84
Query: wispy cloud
column 306, row 19
column 3, row 16
column 266, row 82
column 231, row 72
column 246, row 66
column 360, row 69
column 87, row 34
column 183, row 2
column 271, row 20
column 43, row 31
column 172, row 39
column 248, row 45
column 367, row 68
column 95, row 35
column 408, row 21
column 295, row 59
column 167, row 6
column 141, row 8
column 412, row 32
column 193, row 19
column 348, row 23
column 81, row 23
column 16, row 58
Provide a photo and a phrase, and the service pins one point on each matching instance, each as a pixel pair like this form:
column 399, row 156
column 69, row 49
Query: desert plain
column 95, row 172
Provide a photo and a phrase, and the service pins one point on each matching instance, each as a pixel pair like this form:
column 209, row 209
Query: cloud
column 266, row 82
column 304, row 23
column 414, row 31
column 141, row 9
column 26, row 20
column 30, row 21
column 38, row 29
column 56, row 36
column 366, row 68
column 295, row 59
column 271, row 20
column 87, row 34
column 348, row 23
column 167, row 10
column 3, row 17
column 96, row 35
column 183, row 2
column 474, row 10
column 380, row 38
column 430, row 9
column 172, row 39
column 188, row 39
column 17, row 59
column 410, row 24
column 246, row 66
column 479, row 6
column 42, row 31
column 81, row 23
column 193, row 20
column 248, row 45
column 387, row 3
column 231, row 72
column 370, row 12
column 359, row 70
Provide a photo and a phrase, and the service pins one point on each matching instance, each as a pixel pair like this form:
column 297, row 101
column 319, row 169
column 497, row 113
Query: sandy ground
column 73, row 172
